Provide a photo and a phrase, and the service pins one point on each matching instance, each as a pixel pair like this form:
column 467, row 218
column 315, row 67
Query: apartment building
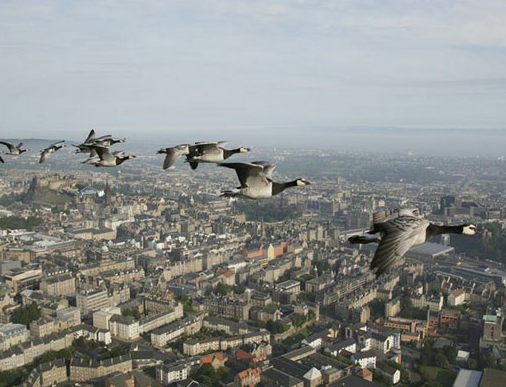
column 82, row 370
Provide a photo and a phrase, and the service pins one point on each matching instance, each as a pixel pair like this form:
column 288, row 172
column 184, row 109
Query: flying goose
column 211, row 152
column 399, row 234
column 87, row 145
column 200, row 152
column 108, row 141
column 173, row 154
column 256, row 181
column 94, row 159
column 51, row 149
column 380, row 217
column 14, row 150
column 108, row 159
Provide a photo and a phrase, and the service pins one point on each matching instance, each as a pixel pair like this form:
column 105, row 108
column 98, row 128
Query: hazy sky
column 218, row 68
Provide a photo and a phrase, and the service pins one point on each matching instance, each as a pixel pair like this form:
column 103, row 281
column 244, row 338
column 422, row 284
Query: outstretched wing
column 173, row 154
column 248, row 173
column 170, row 159
column 55, row 144
column 398, row 236
column 268, row 167
column 90, row 137
column 20, row 145
column 104, row 153
column 208, row 148
column 386, row 215
column 43, row 156
column 8, row 145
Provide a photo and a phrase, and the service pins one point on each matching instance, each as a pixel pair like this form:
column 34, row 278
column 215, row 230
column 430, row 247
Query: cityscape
column 140, row 276
column 252, row 193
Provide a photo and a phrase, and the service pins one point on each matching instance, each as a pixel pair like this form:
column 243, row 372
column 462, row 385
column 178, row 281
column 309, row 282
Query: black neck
column 434, row 230
column 229, row 152
column 280, row 187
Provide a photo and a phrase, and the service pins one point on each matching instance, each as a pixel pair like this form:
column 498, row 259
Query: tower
column 107, row 194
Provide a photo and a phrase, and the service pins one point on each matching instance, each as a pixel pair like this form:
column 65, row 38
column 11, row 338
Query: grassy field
column 445, row 377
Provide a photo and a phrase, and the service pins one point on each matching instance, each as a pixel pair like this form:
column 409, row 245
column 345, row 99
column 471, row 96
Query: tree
column 187, row 307
column 16, row 222
column 382, row 379
column 322, row 266
column 222, row 289
column 440, row 360
column 12, row 377
column 209, row 377
column 489, row 362
column 428, row 374
column 134, row 312
column 298, row 319
column 276, row 327
column 25, row 315
column 239, row 289
column 472, row 364
column 405, row 379
column 113, row 352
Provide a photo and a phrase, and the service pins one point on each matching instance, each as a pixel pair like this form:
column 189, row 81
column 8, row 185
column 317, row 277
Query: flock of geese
column 395, row 231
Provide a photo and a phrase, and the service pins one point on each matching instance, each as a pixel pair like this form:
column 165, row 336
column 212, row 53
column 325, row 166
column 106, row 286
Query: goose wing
column 1, row 160
column 208, row 148
column 43, row 156
column 398, row 236
column 386, row 215
column 173, row 154
column 90, row 137
column 56, row 144
column 104, row 137
column 104, row 153
column 249, row 174
column 20, row 145
column 268, row 167
column 8, row 145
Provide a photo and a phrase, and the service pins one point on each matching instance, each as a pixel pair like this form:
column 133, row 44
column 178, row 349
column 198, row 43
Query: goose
column 108, row 159
column 401, row 233
column 256, row 180
column 86, row 146
column 211, row 152
column 94, row 159
column 108, row 141
column 200, row 152
column 173, row 154
column 14, row 150
column 51, row 149
column 380, row 217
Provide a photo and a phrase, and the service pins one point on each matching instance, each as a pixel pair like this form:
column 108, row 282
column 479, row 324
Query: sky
column 271, row 72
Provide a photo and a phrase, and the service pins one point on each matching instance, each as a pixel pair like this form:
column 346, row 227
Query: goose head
column 244, row 150
column 469, row 229
column 302, row 182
